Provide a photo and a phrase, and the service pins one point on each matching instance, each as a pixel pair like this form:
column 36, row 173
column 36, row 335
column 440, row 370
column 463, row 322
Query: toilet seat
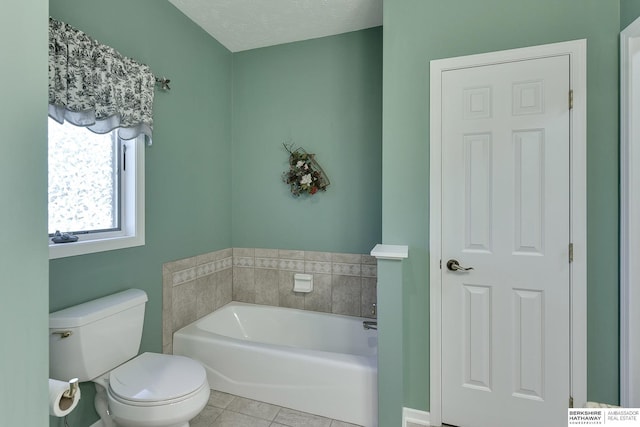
column 156, row 379
column 154, row 390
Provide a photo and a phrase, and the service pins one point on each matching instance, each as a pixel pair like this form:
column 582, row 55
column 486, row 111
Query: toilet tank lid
column 90, row 311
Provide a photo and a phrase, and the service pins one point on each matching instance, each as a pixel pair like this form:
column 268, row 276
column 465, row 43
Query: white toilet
column 98, row 341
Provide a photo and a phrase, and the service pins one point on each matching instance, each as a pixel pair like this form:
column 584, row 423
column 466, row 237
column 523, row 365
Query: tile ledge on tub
column 394, row 252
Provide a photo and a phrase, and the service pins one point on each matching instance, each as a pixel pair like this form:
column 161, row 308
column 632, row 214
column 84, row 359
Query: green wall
column 629, row 11
column 23, row 189
column 417, row 31
column 188, row 191
column 324, row 95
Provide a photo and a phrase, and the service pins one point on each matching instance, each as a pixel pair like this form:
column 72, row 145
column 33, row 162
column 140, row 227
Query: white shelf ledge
column 397, row 252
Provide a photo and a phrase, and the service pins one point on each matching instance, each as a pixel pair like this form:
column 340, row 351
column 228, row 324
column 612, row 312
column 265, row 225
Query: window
column 96, row 190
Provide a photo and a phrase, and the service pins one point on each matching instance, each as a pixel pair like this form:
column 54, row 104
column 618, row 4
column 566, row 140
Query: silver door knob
column 454, row 265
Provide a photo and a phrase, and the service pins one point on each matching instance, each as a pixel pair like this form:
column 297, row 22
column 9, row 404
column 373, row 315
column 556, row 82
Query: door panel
column 477, row 337
column 505, row 213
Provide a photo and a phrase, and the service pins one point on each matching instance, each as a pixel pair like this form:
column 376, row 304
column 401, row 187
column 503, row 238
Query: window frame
column 132, row 210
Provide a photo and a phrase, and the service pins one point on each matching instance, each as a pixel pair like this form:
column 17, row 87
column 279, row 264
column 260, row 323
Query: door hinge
column 570, row 401
column 571, row 99
column 440, row 264
column 570, row 252
column 124, row 157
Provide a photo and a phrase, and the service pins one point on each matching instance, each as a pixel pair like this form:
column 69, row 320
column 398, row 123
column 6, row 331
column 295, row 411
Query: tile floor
column 227, row 410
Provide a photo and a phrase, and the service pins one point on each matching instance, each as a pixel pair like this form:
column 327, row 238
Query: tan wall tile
column 224, row 287
column 369, row 297
column 320, row 298
column 244, row 252
column 346, row 258
column 266, row 253
column 346, row 295
column 290, row 254
column 244, row 285
column 206, row 295
column 267, row 288
column 184, row 304
column 181, row 264
column 317, row 256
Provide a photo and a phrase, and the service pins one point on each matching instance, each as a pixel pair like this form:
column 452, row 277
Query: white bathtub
column 319, row 363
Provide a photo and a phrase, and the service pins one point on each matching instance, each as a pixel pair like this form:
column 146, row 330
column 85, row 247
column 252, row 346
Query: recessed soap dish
column 302, row 282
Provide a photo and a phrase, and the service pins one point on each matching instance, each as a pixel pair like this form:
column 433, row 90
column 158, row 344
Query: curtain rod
column 163, row 82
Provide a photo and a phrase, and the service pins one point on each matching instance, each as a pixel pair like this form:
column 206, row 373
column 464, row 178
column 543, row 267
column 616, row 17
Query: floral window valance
column 93, row 85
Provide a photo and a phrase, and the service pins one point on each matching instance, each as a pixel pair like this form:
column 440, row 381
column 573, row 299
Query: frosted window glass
column 83, row 179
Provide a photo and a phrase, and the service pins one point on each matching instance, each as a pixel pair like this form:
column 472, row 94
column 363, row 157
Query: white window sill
column 82, row 247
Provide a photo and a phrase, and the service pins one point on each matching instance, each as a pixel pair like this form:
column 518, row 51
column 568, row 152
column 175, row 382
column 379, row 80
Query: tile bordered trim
column 243, row 261
column 193, row 273
column 296, row 265
column 346, row 269
column 317, row 267
column 268, row 263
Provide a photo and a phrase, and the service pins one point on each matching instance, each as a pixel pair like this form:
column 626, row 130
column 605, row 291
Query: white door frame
column 577, row 51
column 629, row 216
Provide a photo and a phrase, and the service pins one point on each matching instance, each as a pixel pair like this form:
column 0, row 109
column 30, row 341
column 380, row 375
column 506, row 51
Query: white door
column 505, row 214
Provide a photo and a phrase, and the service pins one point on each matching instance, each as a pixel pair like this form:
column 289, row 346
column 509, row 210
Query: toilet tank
column 89, row 339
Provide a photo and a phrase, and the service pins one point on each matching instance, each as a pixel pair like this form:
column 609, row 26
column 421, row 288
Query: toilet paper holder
column 63, row 396
column 73, row 389
column 63, row 334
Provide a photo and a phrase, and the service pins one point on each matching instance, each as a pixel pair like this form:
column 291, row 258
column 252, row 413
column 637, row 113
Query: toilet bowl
column 98, row 341
column 153, row 390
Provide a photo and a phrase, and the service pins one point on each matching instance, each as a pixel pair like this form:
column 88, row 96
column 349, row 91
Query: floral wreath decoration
column 305, row 176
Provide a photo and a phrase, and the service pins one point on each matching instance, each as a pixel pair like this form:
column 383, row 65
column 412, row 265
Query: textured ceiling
column 249, row 24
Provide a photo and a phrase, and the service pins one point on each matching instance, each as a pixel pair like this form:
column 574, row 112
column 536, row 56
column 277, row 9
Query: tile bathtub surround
column 194, row 287
column 342, row 283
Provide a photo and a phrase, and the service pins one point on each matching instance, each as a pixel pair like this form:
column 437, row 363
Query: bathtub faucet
column 370, row 324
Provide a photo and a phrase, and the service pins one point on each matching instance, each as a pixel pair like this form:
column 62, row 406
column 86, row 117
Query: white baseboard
column 415, row 416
